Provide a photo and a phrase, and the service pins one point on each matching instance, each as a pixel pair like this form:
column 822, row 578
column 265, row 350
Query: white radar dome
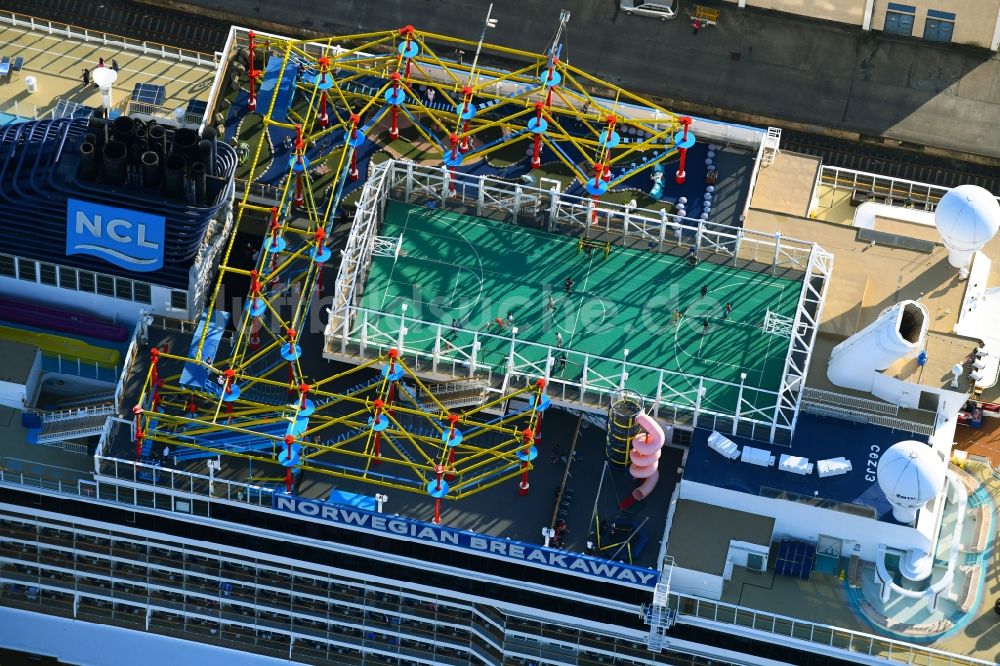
column 967, row 217
column 910, row 475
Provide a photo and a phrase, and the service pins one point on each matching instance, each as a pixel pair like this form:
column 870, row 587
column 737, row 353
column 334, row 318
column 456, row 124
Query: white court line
column 767, row 349
column 576, row 321
column 388, row 282
column 457, row 233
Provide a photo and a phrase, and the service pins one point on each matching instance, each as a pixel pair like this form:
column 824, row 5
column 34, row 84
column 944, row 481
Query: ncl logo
column 125, row 238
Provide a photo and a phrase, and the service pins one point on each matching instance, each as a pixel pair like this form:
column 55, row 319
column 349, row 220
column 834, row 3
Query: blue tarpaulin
column 194, row 375
column 283, row 95
column 353, row 499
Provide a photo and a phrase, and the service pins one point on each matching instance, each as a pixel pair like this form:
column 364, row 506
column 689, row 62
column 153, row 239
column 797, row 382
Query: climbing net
column 359, row 91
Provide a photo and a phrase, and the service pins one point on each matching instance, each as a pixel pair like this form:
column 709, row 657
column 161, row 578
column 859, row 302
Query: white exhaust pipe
column 899, row 332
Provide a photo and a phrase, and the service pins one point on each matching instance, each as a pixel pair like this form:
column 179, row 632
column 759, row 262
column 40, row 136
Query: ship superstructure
column 521, row 368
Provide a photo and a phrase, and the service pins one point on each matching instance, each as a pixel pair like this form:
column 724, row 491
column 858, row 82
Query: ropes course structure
column 235, row 398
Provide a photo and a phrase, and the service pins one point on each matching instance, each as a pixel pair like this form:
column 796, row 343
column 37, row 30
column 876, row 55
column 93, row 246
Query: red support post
column 300, row 146
column 353, row 174
column 528, row 437
column 538, row 398
column 377, row 454
column 681, row 175
column 393, row 355
column 548, row 94
column 320, row 238
column 230, row 375
column 439, row 471
column 252, row 73
column 407, row 31
column 274, row 226
column 255, row 333
column 394, row 128
column 323, row 118
column 536, row 155
column 452, row 420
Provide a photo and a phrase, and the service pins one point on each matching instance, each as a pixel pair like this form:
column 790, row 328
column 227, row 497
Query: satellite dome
column 910, row 474
column 967, row 217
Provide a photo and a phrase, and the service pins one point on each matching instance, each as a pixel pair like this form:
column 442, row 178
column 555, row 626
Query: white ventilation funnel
column 899, row 332
column 967, row 217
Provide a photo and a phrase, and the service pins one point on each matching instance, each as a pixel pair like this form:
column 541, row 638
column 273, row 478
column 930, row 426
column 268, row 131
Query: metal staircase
column 658, row 615
column 462, row 393
column 74, row 423
column 771, row 144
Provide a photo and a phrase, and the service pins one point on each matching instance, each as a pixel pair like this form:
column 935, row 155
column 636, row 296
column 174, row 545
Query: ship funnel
column 209, row 134
column 899, row 332
column 156, row 138
column 123, row 129
column 174, row 176
column 967, row 217
column 198, row 174
column 88, row 165
column 115, row 158
column 185, row 142
column 150, row 169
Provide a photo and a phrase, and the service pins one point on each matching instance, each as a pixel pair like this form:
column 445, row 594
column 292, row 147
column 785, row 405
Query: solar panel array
column 150, row 93
column 69, row 109
column 795, row 559
column 197, row 107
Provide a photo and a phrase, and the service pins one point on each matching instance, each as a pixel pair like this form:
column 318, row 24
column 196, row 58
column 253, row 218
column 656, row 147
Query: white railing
column 117, row 41
column 69, row 447
column 506, row 362
column 19, row 108
column 890, row 190
column 72, row 365
column 594, row 378
column 834, row 641
column 224, row 56
column 901, row 424
column 849, row 401
column 130, row 356
column 71, row 434
column 76, row 413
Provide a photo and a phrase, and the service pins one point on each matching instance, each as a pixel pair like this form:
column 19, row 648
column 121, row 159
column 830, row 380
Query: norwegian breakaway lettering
column 514, row 550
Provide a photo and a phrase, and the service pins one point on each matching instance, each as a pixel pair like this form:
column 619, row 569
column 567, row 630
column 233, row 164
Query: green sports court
column 470, row 277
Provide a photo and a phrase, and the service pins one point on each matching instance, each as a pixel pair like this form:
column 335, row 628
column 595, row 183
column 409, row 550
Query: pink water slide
column 645, row 455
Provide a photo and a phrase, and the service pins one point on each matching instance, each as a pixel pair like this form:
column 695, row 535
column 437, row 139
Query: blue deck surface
column 816, row 438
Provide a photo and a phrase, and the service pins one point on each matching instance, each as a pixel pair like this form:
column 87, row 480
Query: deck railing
column 56, row 28
column 19, row 108
column 897, row 191
column 833, row 641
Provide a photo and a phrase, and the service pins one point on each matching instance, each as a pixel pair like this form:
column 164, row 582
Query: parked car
column 661, row 9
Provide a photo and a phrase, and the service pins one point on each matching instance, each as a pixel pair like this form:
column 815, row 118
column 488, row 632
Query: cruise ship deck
column 346, row 460
column 55, row 55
